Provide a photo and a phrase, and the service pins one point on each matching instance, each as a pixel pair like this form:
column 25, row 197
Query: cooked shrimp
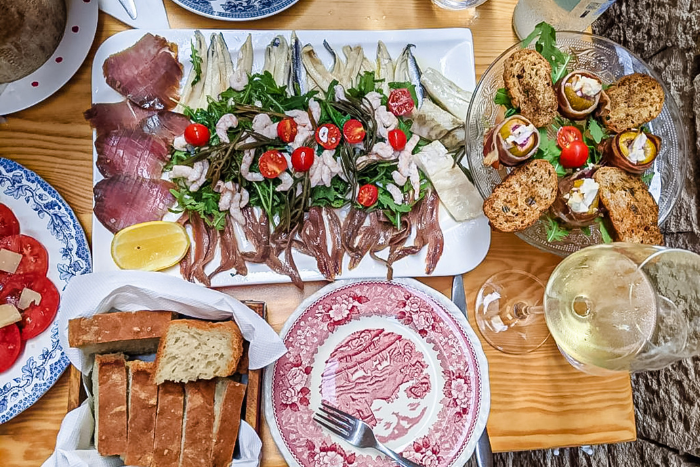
column 395, row 193
column 263, row 125
column 248, row 156
column 180, row 144
column 226, row 122
column 287, row 181
column 386, row 121
column 239, row 80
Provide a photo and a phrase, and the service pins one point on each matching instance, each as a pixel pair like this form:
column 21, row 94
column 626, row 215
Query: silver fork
column 355, row 432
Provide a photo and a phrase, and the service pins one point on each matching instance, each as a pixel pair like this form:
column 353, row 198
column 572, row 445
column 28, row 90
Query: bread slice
column 227, row 420
column 143, row 402
column 634, row 100
column 192, row 350
column 526, row 193
column 528, row 79
column 198, row 424
column 632, row 211
column 130, row 332
column 168, row 436
column 109, row 389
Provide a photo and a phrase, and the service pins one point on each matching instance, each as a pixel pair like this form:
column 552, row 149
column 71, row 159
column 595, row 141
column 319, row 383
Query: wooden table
column 537, row 401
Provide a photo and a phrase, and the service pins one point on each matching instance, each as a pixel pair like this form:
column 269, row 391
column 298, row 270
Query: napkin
column 133, row 291
column 151, row 13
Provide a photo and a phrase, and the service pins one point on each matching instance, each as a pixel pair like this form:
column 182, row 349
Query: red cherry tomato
column 36, row 318
column 400, row 102
column 197, row 134
column 353, row 131
column 328, row 136
column 287, row 130
column 35, row 259
column 10, row 346
column 9, row 225
column 397, row 139
column 272, row 163
column 574, row 155
column 567, row 135
column 303, row 158
column 367, row 195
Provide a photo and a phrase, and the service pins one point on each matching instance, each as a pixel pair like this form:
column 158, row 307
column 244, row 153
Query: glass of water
column 569, row 15
column 458, row 4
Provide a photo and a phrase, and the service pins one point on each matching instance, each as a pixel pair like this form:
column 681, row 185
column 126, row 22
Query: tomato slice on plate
column 287, row 130
column 367, row 195
column 272, row 163
column 10, row 346
column 353, row 131
column 35, row 259
column 303, row 158
column 400, row 102
column 328, row 136
column 567, row 135
column 9, row 225
column 36, row 318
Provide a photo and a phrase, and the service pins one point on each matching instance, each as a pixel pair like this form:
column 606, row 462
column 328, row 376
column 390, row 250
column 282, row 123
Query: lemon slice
column 150, row 246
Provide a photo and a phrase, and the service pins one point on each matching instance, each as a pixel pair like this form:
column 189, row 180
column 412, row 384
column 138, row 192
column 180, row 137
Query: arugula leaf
column 512, row 111
column 502, row 98
column 647, row 178
column 366, row 84
column 546, row 45
column 597, row 132
column 204, row 202
column 405, row 126
column 555, row 232
column 405, row 85
column 607, row 238
column 549, row 151
column 333, row 195
column 586, row 231
column 196, row 64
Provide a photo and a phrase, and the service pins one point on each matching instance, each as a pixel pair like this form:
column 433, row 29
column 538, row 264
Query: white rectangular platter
column 449, row 51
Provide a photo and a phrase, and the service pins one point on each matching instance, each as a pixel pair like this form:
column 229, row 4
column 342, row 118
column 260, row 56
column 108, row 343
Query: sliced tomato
column 197, row 134
column 567, row 135
column 35, row 259
column 400, row 102
column 36, row 318
column 272, row 163
column 287, row 130
column 303, row 158
column 367, row 195
column 10, row 346
column 9, row 225
column 328, row 136
column 353, row 131
column 574, row 155
column 397, row 139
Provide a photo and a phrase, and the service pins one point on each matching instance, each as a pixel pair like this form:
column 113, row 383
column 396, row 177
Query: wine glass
column 610, row 308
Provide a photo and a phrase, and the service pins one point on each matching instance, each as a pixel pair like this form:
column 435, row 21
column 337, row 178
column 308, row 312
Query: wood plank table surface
column 537, row 401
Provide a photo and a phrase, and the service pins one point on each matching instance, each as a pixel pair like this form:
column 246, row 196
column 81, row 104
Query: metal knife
column 484, row 456
column 130, row 7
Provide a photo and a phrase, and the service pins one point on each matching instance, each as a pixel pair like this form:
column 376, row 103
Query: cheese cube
column 9, row 315
column 9, row 260
column 28, row 297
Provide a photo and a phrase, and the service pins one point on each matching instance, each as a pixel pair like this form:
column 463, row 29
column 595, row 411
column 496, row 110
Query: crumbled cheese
column 521, row 134
column 9, row 260
column 637, row 153
column 9, row 315
column 28, row 297
column 586, row 86
column 581, row 198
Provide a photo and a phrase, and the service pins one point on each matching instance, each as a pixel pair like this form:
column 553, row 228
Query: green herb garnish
column 546, row 45
column 502, row 98
column 549, row 151
column 597, row 132
column 555, row 232
column 196, row 64
column 607, row 238
column 647, row 178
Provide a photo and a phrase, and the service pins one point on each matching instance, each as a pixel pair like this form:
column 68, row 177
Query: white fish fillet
column 446, row 93
column 432, row 122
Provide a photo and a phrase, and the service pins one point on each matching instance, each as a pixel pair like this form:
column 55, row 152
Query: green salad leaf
column 333, row 196
column 549, row 151
column 366, row 84
column 547, row 46
column 597, row 132
column 647, row 178
column 555, row 232
column 405, row 84
column 196, row 64
column 204, row 202
column 502, row 98
column 607, row 238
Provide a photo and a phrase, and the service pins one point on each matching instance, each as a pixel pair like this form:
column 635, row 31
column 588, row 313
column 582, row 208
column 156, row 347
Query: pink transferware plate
column 398, row 355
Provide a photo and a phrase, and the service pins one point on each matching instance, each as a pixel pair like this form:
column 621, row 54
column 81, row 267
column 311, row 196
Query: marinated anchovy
column 194, row 87
column 315, row 68
column 278, row 60
column 297, row 84
column 385, row 66
column 338, row 65
column 407, row 70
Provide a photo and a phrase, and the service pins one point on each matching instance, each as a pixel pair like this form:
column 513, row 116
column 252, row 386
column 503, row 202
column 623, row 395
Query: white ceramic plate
column 398, row 355
column 44, row 215
column 81, row 26
column 236, row 10
column 448, row 50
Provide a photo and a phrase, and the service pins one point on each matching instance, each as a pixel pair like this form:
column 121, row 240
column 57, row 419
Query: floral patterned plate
column 44, row 215
column 398, row 355
column 236, row 10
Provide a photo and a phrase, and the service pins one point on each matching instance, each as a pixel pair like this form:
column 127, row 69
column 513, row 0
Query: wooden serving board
column 251, row 411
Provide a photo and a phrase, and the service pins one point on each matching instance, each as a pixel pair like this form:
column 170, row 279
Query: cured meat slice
column 122, row 201
column 109, row 117
column 257, row 232
column 429, row 227
column 230, row 253
column 335, row 229
column 205, row 239
column 313, row 234
column 131, row 152
column 147, row 73
column 165, row 125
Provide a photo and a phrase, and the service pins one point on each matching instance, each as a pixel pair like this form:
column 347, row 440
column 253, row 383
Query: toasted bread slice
column 634, row 100
column 522, row 197
column 528, row 79
column 631, row 209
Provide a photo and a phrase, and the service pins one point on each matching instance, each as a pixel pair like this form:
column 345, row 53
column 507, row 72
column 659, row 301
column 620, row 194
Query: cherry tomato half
column 567, row 135
column 10, row 346
column 272, row 163
column 328, row 136
column 400, row 102
column 35, row 259
column 36, row 318
column 303, row 158
column 397, row 139
column 574, row 155
column 367, row 195
column 197, row 134
column 353, row 131
column 287, row 130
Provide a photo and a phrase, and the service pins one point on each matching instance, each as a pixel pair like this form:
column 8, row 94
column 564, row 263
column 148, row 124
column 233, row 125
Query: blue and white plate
column 236, row 10
column 43, row 214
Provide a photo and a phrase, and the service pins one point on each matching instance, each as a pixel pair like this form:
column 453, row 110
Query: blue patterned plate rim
column 43, row 368
column 236, row 10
